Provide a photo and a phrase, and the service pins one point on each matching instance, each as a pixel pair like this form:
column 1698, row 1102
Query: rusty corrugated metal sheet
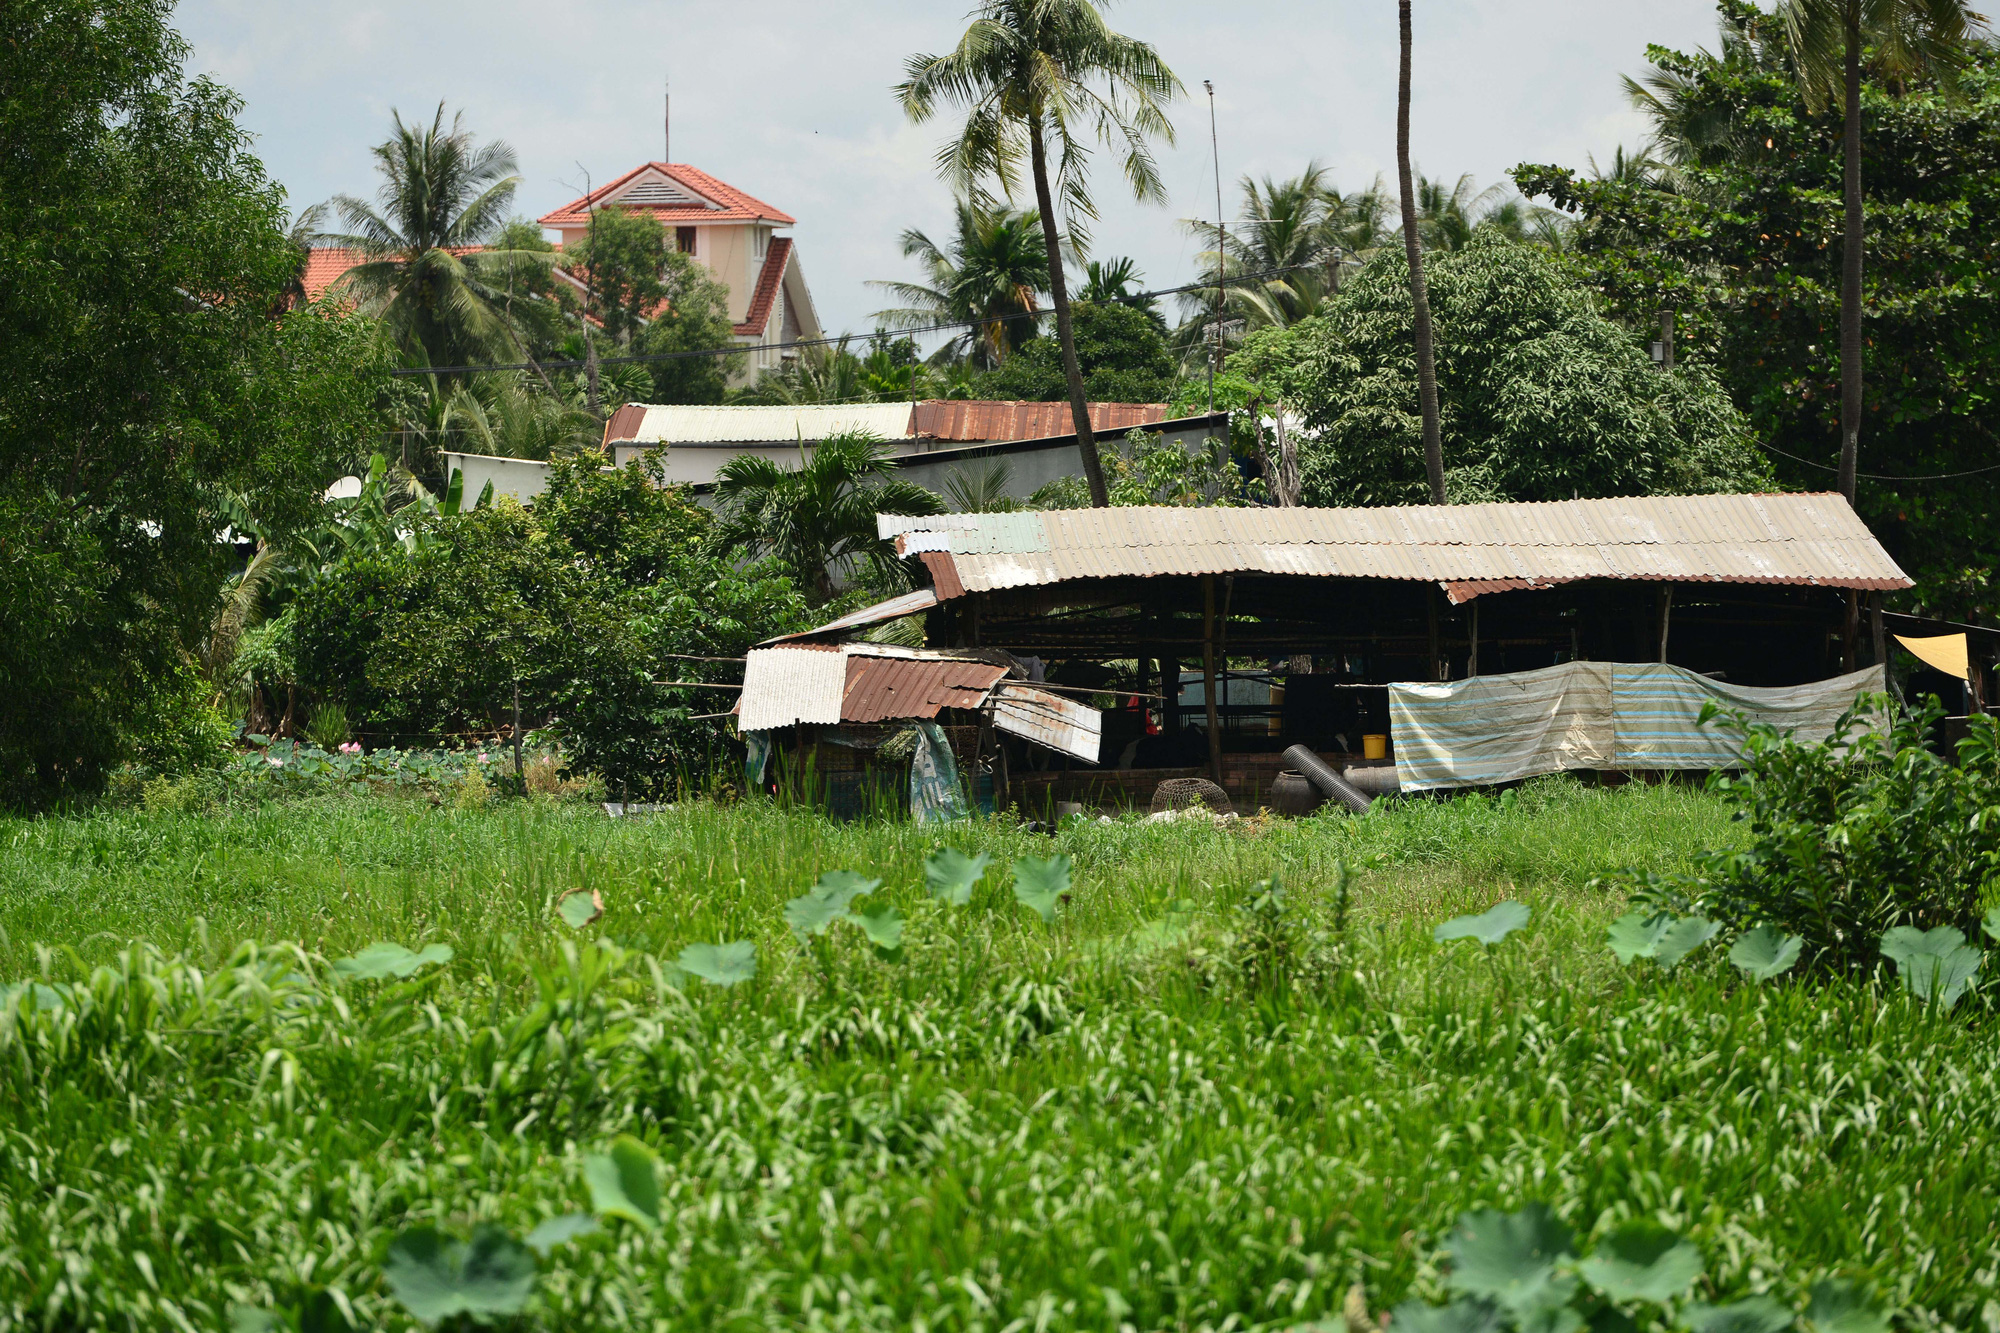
column 947, row 419
column 880, row 688
column 1049, row 720
column 624, row 424
column 1804, row 539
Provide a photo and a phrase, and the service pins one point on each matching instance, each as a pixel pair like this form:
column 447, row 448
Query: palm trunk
column 1850, row 265
column 1427, row 387
column 1086, row 442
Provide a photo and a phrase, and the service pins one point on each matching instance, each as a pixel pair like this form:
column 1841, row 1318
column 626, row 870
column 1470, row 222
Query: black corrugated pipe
column 1322, row 775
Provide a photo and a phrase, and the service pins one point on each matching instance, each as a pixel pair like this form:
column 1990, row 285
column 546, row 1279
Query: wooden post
column 1208, row 675
column 1666, row 618
column 1472, row 661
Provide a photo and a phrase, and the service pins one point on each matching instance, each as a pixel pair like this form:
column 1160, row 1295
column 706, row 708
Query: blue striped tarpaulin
column 1593, row 715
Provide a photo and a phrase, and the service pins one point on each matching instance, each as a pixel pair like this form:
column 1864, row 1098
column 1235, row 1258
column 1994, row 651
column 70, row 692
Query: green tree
column 818, row 519
column 1740, row 237
column 1542, row 397
column 584, row 604
column 1302, row 231
column 990, row 274
column 621, row 260
column 693, row 322
column 153, row 372
column 1829, row 40
column 427, row 272
column 1036, row 74
column 1121, row 353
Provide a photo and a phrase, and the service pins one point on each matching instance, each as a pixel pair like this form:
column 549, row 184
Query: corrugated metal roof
column 1811, row 539
column 949, row 419
column 1050, row 720
column 782, row 687
column 752, row 425
column 909, row 604
column 880, row 688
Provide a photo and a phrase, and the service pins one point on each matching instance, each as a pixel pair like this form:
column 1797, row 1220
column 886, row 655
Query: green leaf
column 390, row 960
column 883, row 928
column 1637, row 935
column 555, row 1231
column 1840, row 1306
column 1642, row 1261
column 1040, row 884
column 1491, row 926
column 1935, row 963
column 1991, row 925
column 249, row 1319
column 951, row 874
column 623, row 1182
column 1763, row 953
column 580, row 907
column 436, row 1276
column 1458, row 1317
column 1682, row 938
column 1511, row 1258
column 720, row 964
column 826, row 902
column 1752, row 1314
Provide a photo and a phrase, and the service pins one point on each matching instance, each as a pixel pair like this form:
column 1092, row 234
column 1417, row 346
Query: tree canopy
column 155, row 372
column 1540, row 397
column 1120, row 350
column 1741, row 237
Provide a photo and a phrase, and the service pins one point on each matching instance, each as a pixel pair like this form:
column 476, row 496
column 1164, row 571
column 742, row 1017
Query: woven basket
column 1180, row 793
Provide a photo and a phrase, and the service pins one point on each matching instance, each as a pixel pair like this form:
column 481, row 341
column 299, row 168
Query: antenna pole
column 1221, row 245
column 666, row 120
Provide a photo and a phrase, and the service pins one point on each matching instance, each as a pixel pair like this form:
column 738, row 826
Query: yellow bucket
column 1375, row 747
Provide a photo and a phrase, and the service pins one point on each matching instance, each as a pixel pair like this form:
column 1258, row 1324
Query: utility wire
column 651, row 357
column 1877, row 476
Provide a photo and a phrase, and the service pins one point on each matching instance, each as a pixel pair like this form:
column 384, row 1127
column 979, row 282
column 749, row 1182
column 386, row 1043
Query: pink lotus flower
column 351, row 747
column 482, row 756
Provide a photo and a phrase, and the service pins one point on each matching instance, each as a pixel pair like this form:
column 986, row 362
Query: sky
column 792, row 101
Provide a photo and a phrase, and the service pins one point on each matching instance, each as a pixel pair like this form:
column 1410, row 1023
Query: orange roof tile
column 732, row 204
column 324, row 266
column 768, row 278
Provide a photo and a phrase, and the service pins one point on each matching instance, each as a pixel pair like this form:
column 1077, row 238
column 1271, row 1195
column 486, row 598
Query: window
column 684, row 238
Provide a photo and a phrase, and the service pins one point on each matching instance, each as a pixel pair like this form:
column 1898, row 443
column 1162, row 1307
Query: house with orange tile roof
column 732, row 234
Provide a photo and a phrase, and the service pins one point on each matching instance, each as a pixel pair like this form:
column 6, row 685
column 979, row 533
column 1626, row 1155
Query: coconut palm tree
column 1827, row 40
column 1042, row 76
column 991, row 274
column 1112, row 280
column 1427, row 388
column 818, row 518
column 425, row 271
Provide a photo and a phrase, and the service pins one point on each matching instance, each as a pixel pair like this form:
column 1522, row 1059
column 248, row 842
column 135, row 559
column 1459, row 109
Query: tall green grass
column 1014, row 1126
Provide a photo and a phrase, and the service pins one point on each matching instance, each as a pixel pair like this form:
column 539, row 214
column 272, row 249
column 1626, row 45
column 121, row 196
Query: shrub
column 579, row 603
column 1850, row 838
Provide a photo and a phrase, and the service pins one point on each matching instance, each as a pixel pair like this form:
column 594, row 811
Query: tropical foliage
column 1541, row 397
column 572, row 613
column 1043, row 78
column 991, row 275
column 1741, row 238
column 817, row 520
column 155, row 371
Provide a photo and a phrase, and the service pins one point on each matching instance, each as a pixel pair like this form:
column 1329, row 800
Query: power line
column 1877, row 476
column 649, row 358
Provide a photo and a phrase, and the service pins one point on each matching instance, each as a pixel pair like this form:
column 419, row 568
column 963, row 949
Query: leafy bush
column 580, row 604
column 1852, row 838
column 1122, row 354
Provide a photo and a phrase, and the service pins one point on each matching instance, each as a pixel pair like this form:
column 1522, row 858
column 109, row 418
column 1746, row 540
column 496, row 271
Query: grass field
column 1156, row 1112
